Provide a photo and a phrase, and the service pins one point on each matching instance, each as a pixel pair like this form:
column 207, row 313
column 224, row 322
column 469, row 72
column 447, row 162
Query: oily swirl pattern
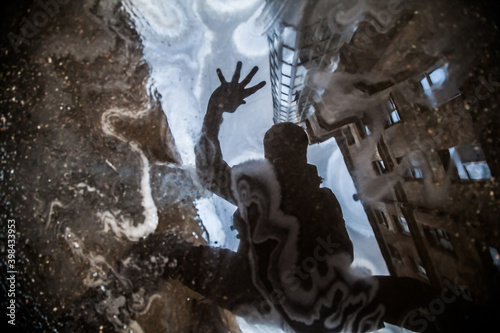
column 336, row 299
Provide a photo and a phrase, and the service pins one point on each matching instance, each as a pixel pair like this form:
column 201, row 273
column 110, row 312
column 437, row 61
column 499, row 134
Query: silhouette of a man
column 285, row 148
column 295, row 254
column 314, row 214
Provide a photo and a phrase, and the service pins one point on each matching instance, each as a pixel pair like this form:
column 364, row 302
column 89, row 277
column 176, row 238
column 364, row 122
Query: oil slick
column 114, row 221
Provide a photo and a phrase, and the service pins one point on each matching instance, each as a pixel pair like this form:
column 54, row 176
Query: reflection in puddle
column 103, row 106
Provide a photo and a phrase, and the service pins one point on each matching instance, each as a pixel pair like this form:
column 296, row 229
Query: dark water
column 101, row 104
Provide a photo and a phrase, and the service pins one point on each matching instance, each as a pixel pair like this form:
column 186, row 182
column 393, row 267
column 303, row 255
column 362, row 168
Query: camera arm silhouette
column 213, row 172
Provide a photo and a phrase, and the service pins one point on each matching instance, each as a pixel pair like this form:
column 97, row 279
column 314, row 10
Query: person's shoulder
column 313, row 176
column 257, row 169
column 254, row 166
column 255, row 178
column 327, row 193
column 330, row 199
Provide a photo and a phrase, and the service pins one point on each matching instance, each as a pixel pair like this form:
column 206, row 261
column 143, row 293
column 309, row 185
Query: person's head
column 286, row 143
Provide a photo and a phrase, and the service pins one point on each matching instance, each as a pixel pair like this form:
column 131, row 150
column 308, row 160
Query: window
column 346, row 131
column 289, row 37
column 439, row 238
column 470, row 162
column 417, row 173
column 367, row 130
column 395, row 253
column 286, row 80
column 381, row 218
column 286, row 69
column 393, row 112
column 419, row 268
column 287, row 55
column 433, row 81
column 413, row 172
column 402, row 224
column 495, row 256
column 379, row 167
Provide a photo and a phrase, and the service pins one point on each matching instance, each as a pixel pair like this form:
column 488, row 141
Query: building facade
column 433, row 219
column 301, row 38
column 411, row 119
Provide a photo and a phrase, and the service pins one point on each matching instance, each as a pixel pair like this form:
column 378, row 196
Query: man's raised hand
column 230, row 95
